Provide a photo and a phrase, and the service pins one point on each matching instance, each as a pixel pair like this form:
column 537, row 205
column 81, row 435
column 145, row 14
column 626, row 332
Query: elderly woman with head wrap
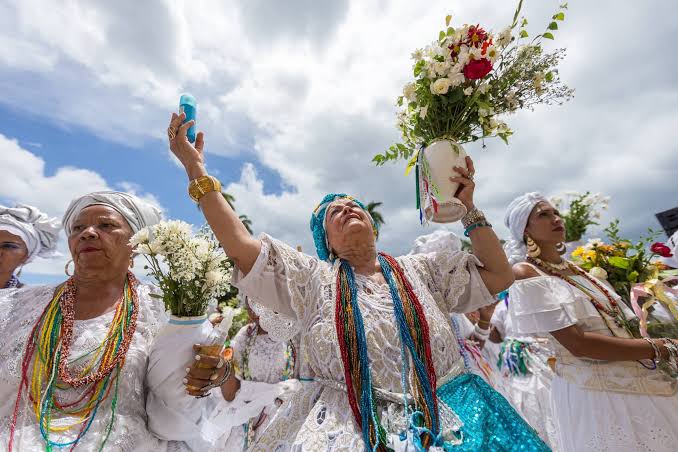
column 25, row 233
column 608, row 392
column 74, row 358
column 379, row 359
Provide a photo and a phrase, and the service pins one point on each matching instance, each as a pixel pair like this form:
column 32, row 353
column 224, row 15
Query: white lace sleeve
column 540, row 305
column 453, row 279
column 283, row 288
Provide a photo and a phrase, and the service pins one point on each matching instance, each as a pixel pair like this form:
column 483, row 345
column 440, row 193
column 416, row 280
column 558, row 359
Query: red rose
column 661, row 249
column 477, row 69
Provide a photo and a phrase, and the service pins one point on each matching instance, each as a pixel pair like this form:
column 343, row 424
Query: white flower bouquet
column 190, row 269
column 468, row 77
column 463, row 82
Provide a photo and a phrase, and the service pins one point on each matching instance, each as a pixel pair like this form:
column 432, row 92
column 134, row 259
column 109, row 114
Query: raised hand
column 466, row 184
column 191, row 156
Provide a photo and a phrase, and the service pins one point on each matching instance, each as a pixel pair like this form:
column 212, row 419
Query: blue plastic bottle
column 188, row 105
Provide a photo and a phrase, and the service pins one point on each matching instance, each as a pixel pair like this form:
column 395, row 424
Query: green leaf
column 549, row 76
column 523, row 34
column 523, row 23
column 450, row 31
column 441, row 36
column 633, row 276
column 548, row 35
column 448, row 18
column 155, row 295
column 553, row 26
column 559, row 16
column 619, row 262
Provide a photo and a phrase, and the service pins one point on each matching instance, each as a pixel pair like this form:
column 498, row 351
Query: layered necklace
column 415, row 340
column 12, row 283
column 48, row 348
column 613, row 311
column 287, row 373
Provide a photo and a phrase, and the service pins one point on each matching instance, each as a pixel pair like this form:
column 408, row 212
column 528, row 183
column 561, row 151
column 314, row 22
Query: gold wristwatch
column 199, row 187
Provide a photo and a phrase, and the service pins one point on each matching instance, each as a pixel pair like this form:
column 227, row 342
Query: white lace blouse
column 301, row 290
column 540, row 305
column 19, row 310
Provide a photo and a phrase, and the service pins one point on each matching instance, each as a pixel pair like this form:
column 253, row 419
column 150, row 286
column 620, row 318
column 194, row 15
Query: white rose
column 457, row 79
column 441, row 67
column 598, row 272
column 441, row 86
column 409, row 91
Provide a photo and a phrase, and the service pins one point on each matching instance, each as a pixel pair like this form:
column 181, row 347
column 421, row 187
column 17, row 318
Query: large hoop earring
column 533, row 249
column 66, row 267
column 561, row 248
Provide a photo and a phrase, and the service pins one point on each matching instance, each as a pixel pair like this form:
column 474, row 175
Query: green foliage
column 577, row 218
column 376, row 215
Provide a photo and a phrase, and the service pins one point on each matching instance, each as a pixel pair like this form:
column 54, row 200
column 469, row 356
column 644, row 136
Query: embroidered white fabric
column 19, row 310
column 610, row 405
column 301, row 289
column 257, row 397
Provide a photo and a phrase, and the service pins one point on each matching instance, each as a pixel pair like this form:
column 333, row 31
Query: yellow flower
column 606, row 249
column 589, row 256
column 578, row 252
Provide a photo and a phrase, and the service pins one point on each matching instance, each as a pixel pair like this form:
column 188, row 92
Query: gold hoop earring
column 66, row 268
column 533, row 249
column 561, row 248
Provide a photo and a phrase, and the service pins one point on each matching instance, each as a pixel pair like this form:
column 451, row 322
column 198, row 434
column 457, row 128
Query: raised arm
column 496, row 272
column 237, row 242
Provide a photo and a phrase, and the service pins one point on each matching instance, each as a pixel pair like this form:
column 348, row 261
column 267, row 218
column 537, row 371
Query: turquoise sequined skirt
column 490, row 423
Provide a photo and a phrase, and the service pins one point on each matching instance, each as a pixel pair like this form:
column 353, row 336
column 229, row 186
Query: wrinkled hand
column 205, row 372
column 191, row 156
column 466, row 184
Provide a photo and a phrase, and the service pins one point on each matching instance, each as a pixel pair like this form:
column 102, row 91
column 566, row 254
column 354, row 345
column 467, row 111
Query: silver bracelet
column 673, row 354
column 473, row 216
column 657, row 354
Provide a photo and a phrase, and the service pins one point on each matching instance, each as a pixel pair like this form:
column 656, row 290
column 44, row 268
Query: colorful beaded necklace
column 415, row 339
column 614, row 312
column 48, row 348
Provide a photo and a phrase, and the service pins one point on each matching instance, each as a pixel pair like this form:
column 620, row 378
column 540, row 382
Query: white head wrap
column 39, row 232
column 137, row 212
column 442, row 238
column 517, row 213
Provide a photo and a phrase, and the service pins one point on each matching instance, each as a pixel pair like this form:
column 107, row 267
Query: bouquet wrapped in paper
column 191, row 271
column 464, row 82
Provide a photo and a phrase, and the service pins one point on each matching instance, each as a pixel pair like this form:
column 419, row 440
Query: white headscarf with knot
column 517, row 213
column 39, row 232
column 137, row 212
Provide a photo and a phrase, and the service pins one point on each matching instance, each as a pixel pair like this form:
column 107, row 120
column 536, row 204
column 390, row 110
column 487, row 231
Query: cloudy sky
column 296, row 97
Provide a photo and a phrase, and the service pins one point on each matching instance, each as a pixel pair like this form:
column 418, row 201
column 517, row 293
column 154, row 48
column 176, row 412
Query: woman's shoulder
column 523, row 270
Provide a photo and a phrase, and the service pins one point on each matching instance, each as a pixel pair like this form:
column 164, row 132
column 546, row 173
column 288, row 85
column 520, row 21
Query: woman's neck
column 4, row 279
column 362, row 257
column 96, row 295
column 549, row 253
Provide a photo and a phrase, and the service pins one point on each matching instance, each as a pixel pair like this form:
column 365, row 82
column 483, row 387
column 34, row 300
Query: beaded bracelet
column 482, row 224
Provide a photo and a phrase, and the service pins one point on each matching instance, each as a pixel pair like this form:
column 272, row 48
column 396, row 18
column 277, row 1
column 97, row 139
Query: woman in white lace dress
column 265, row 379
column 377, row 354
column 607, row 393
column 74, row 356
column 25, row 233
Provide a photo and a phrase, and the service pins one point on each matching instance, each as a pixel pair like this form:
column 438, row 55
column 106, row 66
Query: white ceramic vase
column 442, row 156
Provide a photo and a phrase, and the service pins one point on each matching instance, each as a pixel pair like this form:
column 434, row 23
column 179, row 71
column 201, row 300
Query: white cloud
column 308, row 90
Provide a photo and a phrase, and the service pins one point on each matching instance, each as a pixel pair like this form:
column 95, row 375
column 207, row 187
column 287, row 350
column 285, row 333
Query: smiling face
column 545, row 224
column 98, row 241
column 13, row 252
column 346, row 221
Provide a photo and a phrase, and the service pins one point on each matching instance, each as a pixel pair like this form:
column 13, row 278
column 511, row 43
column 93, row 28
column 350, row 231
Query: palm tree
column 376, row 215
column 246, row 222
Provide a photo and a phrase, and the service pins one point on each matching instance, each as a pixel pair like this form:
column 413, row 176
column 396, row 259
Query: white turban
column 137, row 212
column 515, row 220
column 435, row 241
column 39, row 232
